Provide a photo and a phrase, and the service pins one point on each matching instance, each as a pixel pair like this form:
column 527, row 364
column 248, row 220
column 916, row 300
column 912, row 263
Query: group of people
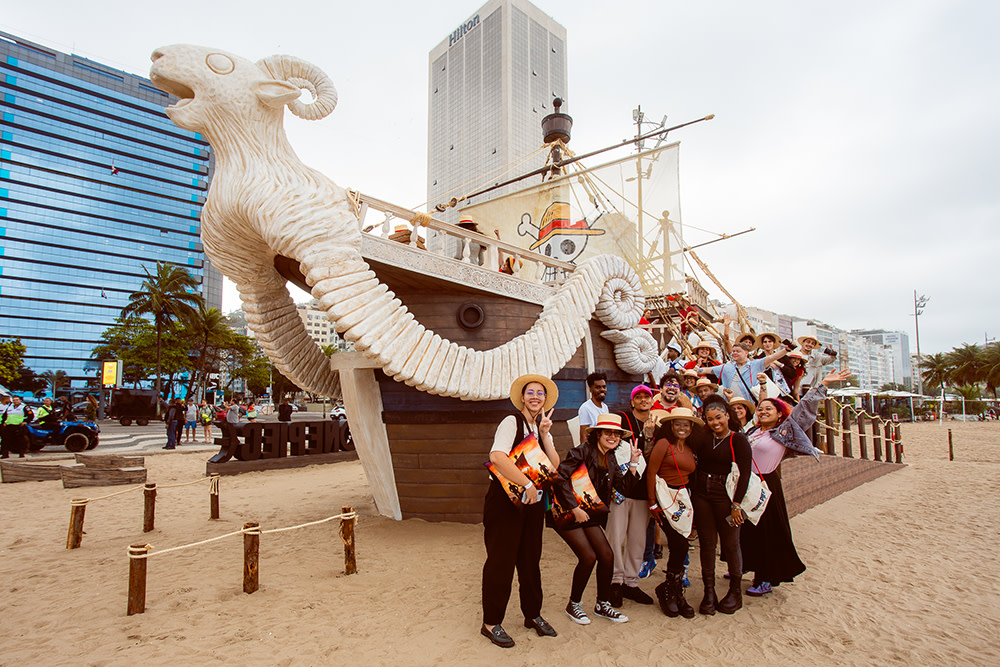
column 689, row 432
column 15, row 415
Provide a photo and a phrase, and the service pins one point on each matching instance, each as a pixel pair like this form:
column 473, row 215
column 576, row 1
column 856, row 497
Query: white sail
column 629, row 207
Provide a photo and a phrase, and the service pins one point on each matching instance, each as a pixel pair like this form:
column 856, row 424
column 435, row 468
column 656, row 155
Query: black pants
column 677, row 546
column 13, row 440
column 711, row 507
column 513, row 537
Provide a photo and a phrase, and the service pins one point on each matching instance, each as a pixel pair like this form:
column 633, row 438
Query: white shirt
column 589, row 413
column 503, row 441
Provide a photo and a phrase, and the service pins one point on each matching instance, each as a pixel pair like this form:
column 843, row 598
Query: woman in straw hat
column 767, row 548
column 764, row 346
column 742, row 408
column 513, row 534
column 704, row 356
column 673, row 459
column 586, row 536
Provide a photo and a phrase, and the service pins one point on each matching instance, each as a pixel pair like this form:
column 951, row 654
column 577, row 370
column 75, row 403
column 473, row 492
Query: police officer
column 13, row 418
column 46, row 415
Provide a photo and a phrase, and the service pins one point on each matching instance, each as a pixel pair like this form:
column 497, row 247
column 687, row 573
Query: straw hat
column 801, row 339
column 767, row 334
column 551, row 390
column 751, row 408
column 705, row 382
column 680, row 413
column 704, row 345
column 610, row 423
column 689, row 372
column 795, row 354
column 747, row 336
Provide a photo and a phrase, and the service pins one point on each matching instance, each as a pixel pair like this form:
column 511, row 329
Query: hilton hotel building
column 492, row 80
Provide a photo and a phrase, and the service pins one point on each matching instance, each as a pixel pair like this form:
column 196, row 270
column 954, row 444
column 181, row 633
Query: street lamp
column 918, row 307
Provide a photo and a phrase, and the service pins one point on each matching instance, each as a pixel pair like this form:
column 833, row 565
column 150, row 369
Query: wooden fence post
column 888, row 442
column 213, row 496
column 77, row 510
column 862, row 436
column 897, row 433
column 830, row 428
column 251, row 556
column 817, row 437
column 951, row 447
column 137, row 579
column 845, row 432
column 876, row 439
column 347, row 534
column 149, row 506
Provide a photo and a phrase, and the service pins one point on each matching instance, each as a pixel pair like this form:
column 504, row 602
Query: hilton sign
column 462, row 29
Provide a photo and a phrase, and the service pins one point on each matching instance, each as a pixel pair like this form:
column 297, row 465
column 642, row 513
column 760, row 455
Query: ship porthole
column 471, row 316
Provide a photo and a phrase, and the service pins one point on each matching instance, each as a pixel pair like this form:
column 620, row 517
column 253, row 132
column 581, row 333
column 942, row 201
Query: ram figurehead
column 264, row 203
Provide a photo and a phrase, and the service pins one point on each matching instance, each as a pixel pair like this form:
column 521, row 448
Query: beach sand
column 900, row 570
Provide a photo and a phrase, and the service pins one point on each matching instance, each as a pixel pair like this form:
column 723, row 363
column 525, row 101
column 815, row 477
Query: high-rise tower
column 492, row 80
column 96, row 185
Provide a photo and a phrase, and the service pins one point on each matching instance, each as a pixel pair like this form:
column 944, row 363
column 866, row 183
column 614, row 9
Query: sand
column 893, row 577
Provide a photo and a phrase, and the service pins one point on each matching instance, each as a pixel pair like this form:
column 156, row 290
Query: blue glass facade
column 96, row 183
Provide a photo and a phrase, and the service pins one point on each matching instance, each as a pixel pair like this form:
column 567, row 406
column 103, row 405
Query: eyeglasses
column 671, row 384
column 534, row 394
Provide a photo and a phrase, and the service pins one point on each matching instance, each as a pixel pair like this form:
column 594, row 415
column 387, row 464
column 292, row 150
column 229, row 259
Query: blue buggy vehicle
column 75, row 436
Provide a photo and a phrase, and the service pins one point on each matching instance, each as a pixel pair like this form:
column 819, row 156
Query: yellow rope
column 421, row 219
column 252, row 530
column 76, row 502
column 214, row 479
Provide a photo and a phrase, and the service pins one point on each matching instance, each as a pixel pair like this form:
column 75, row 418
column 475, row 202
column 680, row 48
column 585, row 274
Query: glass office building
column 491, row 82
column 96, row 186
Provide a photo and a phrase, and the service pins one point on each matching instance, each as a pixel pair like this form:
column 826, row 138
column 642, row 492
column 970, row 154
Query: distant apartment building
column 96, row 187
column 491, row 81
column 899, row 342
column 318, row 327
column 872, row 364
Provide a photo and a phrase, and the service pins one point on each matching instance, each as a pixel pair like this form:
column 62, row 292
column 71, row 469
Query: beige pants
column 627, row 535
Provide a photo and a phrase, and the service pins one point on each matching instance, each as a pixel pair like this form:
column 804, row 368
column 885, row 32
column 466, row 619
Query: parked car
column 75, row 436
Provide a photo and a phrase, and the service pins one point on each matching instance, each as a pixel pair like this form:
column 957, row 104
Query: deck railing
column 457, row 243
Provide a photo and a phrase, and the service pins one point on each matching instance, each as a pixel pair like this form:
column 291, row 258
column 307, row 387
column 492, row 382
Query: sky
column 859, row 139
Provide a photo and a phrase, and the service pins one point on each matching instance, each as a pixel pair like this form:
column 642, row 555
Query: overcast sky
column 860, row 139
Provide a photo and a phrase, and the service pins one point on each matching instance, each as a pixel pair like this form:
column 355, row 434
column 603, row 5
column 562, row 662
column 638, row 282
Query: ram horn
column 300, row 73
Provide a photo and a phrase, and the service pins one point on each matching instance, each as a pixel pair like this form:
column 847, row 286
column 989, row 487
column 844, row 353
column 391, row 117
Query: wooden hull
column 439, row 445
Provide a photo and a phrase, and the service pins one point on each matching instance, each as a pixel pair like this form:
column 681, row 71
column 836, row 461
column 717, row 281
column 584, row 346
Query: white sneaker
column 605, row 610
column 576, row 612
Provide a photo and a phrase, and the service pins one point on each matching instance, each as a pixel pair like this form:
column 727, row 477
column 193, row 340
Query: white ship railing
column 451, row 241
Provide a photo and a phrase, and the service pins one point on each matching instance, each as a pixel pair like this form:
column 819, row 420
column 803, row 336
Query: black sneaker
column 635, row 594
column 605, row 610
column 577, row 614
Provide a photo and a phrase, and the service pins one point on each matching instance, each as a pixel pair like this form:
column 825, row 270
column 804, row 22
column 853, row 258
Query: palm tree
column 935, row 370
column 165, row 295
column 989, row 367
column 966, row 363
column 55, row 379
column 210, row 328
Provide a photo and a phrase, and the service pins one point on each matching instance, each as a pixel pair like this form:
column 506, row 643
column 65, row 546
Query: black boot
column 686, row 610
column 709, row 601
column 666, row 596
column 733, row 599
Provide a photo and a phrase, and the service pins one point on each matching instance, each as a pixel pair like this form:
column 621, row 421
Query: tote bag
column 755, row 499
column 676, row 505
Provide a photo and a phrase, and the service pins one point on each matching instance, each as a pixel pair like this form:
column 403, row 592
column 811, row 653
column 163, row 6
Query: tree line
column 966, row 370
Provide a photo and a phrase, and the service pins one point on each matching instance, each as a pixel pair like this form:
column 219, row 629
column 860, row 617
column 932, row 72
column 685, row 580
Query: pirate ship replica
column 442, row 322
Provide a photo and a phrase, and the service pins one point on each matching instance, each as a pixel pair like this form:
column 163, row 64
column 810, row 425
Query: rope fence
column 139, row 553
column 843, row 420
column 78, row 506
